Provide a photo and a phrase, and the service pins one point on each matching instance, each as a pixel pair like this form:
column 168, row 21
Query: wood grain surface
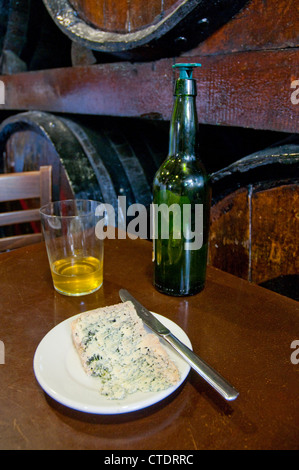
column 248, row 90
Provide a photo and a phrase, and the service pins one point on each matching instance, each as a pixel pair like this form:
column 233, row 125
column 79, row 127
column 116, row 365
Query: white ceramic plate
column 59, row 372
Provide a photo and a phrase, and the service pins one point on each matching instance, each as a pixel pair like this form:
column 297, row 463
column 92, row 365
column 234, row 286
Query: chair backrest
column 19, row 187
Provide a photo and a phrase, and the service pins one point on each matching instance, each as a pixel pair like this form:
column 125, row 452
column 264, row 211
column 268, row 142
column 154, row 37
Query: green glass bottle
column 181, row 200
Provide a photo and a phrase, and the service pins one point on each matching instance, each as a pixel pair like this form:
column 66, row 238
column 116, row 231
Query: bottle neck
column 183, row 139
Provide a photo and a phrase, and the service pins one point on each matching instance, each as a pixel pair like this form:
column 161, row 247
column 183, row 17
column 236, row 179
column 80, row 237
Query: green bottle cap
column 185, row 84
column 186, row 70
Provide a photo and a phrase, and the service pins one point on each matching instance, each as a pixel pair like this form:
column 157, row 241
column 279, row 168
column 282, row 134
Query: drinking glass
column 74, row 251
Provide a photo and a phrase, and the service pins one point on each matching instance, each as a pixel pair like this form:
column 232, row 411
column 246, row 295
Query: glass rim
column 51, row 205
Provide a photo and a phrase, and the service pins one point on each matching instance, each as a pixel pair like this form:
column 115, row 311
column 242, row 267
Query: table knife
column 210, row 375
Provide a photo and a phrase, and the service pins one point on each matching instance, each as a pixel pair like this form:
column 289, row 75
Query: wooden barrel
column 255, row 218
column 29, row 40
column 163, row 26
column 14, row 18
column 99, row 161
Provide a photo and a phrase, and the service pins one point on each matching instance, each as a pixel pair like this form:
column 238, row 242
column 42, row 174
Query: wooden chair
column 19, row 187
column 255, row 219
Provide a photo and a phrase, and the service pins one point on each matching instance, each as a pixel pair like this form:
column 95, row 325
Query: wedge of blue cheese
column 115, row 348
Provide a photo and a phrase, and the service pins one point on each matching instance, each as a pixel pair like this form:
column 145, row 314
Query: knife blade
column 210, row 375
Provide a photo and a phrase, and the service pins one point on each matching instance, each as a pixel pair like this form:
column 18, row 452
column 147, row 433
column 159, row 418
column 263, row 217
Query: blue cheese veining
column 114, row 347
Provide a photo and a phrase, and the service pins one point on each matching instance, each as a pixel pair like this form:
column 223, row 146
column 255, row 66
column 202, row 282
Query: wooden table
column 242, row 330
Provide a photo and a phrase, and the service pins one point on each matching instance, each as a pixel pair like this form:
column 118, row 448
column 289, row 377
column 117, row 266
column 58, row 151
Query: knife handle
column 203, row 369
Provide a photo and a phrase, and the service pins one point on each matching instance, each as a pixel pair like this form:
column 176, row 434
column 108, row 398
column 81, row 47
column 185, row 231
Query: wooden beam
column 251, row 89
